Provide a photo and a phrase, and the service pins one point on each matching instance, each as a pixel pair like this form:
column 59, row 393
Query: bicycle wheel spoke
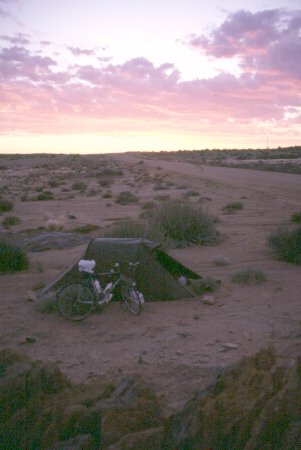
column 75, row 301
column 131, row 299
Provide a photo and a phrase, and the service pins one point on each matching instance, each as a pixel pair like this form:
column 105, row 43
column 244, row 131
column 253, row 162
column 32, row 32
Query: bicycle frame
column 104, row 296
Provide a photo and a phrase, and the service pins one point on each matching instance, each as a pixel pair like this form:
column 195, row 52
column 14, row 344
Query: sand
column 180, row 346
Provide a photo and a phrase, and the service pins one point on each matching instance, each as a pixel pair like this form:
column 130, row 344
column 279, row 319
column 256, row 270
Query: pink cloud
column 266, row 40
column 18, row 39
column 16, row 62
column 35, row 97
column 76, row 51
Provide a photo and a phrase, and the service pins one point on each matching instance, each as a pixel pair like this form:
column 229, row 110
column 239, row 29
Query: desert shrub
column 9, row 221
column 55, row 224
column 220, row 261
column 181, row 223
column 287, row 245
column 107, row 195
column 47, row 304
column 233, row 206
column 86, row 229
column 92, row 192
column 160, row 187
column 105, row 183
column 191, row 193
column 46, row 195
column 148, row 205
column 38, row 286
column 126, row 197
column 79, row 186
column 207, row 284
column 126, row 229
column 12, row 258
column 5, row 205
column 53, row 183
column 111, row 172
column 249, row 276
column 162, row 197
column 296, row 217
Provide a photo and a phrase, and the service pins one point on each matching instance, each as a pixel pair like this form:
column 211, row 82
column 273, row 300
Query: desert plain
column 177, row 347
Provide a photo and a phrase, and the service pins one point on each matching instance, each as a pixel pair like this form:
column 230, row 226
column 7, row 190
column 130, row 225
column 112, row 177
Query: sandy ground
column 180, row 346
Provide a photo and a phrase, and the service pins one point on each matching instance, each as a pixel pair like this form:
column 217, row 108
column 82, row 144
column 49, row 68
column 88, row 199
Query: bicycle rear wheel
column 131, row 298
column 75, row 301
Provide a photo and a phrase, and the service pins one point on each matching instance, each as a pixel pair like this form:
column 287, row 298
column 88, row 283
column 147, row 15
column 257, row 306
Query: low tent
column 157, row 275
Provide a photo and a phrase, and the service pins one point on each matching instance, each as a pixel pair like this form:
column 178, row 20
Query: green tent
column 157, row 275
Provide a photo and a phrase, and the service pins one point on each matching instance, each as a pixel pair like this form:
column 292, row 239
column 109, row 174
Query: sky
column 96, row 76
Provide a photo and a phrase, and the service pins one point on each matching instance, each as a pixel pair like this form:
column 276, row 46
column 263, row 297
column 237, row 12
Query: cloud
column 18, row 39
column 38, row 96
column 5, row 14
column 76, row 51
column 268, row 40
column 17, row 62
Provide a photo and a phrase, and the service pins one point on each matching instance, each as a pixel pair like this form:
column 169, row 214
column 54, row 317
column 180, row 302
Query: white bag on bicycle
column 86, row 265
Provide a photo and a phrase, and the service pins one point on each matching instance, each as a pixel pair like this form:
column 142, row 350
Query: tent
column 157, row 275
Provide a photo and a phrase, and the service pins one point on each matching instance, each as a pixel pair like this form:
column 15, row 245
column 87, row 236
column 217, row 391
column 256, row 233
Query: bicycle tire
column 131, row 298
column 75, row 301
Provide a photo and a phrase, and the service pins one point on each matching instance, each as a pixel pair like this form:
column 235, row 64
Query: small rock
column 208, row 299
column 28, row 340
column 179, row 352
column 230, row 346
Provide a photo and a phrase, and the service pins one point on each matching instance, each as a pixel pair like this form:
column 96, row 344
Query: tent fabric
column 156, row 275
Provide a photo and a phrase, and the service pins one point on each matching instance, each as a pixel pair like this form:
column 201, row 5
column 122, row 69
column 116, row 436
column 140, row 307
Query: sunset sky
column 86, row 76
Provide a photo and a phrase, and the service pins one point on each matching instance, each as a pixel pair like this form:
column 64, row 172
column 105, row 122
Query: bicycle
column 76, row 300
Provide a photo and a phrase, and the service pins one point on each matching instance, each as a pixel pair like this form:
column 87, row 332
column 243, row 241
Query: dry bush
column 126, row 197
column 9, row 221
column 79, row 186
column 86, row 229
column 296, row 217
column 5, row 205
column 208, row 284
column 54, row 224
column 180, row 224
column 287, row 245
column 45, row 195
column 126, row 229
column 220, row 261
column 12, row 257
column 191, row 193
column 233, row 206
column 249, row 276
column 148, row 205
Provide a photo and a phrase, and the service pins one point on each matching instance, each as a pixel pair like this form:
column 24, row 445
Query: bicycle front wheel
column 131, row 298
column 75, row 301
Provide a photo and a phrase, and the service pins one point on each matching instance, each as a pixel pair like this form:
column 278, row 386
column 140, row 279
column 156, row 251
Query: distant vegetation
column 275, row 160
